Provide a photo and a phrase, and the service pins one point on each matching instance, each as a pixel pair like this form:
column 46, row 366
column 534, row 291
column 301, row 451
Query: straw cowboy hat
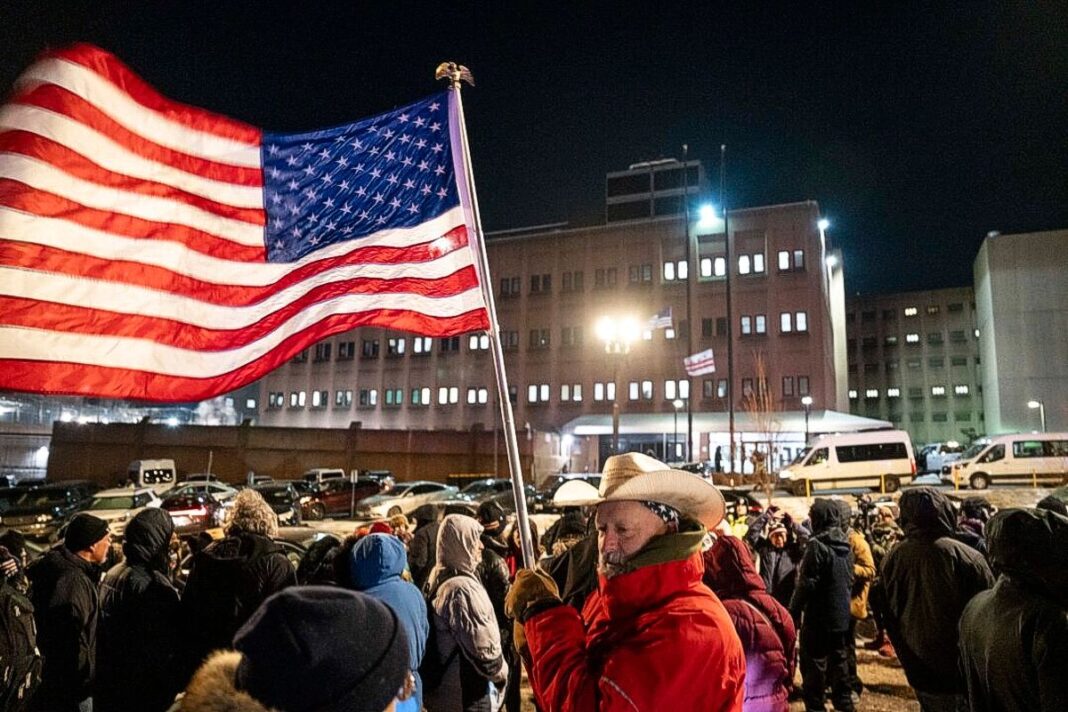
column 634, row 476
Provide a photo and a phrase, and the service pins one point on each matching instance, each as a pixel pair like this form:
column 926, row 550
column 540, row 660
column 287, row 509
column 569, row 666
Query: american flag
column 157, row 251
column 662, row 319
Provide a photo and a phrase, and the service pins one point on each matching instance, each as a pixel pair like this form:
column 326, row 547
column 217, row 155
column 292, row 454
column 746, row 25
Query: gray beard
column 613, row 564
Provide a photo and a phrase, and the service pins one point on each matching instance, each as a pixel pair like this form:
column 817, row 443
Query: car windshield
column 801, row 455
column 973, row 451
column 275, row 494
column 123, row 502
column 480, row 487
column 42, row 498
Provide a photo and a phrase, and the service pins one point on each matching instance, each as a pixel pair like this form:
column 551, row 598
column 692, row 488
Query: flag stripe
column 60, row 102
column 67, row 224
column 43, row 149
column 45, row 177
column 137, row 353
column 179, row 333
column 387, row 247
column 104, row 153
column 135, row 299
column 141, row 110
column 51, row 376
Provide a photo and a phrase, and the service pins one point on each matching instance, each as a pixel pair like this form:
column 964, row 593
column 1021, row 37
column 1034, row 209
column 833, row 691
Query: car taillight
column 913, row 466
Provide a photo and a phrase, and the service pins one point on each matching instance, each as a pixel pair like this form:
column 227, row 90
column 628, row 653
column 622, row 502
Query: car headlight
column 42, row 518
column 305, row 500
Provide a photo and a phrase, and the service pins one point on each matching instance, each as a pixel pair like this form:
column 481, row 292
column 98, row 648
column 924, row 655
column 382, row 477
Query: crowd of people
column 647, row 596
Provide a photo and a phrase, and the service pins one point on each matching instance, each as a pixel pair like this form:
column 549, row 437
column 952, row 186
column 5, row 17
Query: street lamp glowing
column 677, row 403
column 832, row 261
column 1033, row 404
column 707, row 214
column 806, row 401
column 823, row 224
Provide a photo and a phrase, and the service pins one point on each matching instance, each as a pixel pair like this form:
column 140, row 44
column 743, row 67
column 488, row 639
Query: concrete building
column 914, row 361
column 1021, row 290
column 552, row 286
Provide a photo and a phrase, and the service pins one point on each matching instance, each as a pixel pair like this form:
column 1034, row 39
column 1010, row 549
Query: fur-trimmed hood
column 212, row 688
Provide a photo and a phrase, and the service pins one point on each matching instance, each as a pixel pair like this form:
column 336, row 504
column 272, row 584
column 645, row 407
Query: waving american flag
column 157, row 251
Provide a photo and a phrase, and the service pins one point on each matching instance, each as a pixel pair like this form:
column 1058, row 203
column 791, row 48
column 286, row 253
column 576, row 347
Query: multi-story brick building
column 914, row 361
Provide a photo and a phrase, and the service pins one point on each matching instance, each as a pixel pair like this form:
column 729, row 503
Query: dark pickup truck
column 42, row 510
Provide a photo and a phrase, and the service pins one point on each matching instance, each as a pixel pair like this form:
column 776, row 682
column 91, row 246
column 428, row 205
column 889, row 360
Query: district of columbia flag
column 700, row 363
column 153, row 250
column 662, row 319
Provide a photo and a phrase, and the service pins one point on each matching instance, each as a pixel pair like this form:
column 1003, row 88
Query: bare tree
column 760, row 403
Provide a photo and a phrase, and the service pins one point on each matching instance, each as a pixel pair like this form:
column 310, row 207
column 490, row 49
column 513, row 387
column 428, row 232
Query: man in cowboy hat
column 652, row 636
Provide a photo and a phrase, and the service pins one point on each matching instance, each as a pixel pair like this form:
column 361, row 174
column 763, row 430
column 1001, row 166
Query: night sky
column 917, row 127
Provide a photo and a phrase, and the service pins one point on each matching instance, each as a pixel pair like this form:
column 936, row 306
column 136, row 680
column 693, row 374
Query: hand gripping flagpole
column 454, row 74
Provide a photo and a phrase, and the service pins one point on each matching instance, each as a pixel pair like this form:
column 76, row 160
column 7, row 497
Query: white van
column 157, row 474
column 1022, row 459
column 319, row 475
column 876, row 459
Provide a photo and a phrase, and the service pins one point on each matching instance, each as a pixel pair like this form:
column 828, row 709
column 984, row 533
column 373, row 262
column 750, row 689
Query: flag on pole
column 157, row 251
column 662, row 319
column 700, row 363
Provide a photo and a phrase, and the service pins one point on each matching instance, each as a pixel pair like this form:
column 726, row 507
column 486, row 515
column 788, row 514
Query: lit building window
column 912, row 338
column 871, row 393
column 852, row 394
column 938, row 390
column 786, row 322
column 893, row 392
column 960, row 390
column 911, row 311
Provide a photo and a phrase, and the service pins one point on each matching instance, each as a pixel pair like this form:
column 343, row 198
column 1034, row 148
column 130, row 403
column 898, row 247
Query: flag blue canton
column 389, row 171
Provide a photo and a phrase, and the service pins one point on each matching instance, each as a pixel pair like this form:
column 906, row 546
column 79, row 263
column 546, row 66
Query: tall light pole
column 807, row 402
column 1041, row 411
column 617, row 333
column 674, row 448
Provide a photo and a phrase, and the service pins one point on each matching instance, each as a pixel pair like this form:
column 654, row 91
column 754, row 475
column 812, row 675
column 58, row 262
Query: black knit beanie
column 322, row 649
column 84, row 531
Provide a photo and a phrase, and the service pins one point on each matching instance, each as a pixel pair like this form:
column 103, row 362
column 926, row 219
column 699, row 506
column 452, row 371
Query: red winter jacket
column 764, row 625
column 653, row 639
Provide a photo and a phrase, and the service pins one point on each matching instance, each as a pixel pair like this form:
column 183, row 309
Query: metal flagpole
column 730, row 316
column 454, row 73
column 691, row 275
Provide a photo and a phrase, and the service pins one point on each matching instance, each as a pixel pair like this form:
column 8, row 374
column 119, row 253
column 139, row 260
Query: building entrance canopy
column 819, row 422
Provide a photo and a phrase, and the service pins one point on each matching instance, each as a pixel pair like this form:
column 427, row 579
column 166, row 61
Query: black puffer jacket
column 139, row 632
column 928, row 579
column 229, row 580
column 1014, row 637
column 65, row 603
column 825, row 577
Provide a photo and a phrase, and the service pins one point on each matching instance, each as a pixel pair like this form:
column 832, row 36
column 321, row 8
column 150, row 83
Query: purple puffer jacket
column 764, row 625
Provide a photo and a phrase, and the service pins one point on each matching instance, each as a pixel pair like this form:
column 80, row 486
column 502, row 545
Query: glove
column 531, row 587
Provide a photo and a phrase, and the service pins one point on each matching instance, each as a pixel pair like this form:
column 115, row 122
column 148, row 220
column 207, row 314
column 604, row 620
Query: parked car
column 543, row 498
column 507, row 501
column 193, row 511
column 283, row 499
column 41, row 511
column 866, row 459
column 336, row 498
column 318, row 475
column 704, row 468
column 1020, row 459
column 403, row 499
column 478, row 491
column 936, row 456
column 10, row 495
column 221, row 491
column 201, row 477
column 118, row 506
column 384, row 478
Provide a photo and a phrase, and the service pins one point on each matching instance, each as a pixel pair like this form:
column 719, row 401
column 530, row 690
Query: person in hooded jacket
column 468, row 637
column 821, row 608
column 421, row 549
column 779, row 542
column 975, row 512
column 231, row 577
column 863, row 576
column 377, row 564
column 764, row 625
column 140, row 622
column 1014, row 637
column 928, row 579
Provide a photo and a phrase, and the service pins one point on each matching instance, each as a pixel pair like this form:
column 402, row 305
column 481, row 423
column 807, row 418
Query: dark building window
column 369, row 348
